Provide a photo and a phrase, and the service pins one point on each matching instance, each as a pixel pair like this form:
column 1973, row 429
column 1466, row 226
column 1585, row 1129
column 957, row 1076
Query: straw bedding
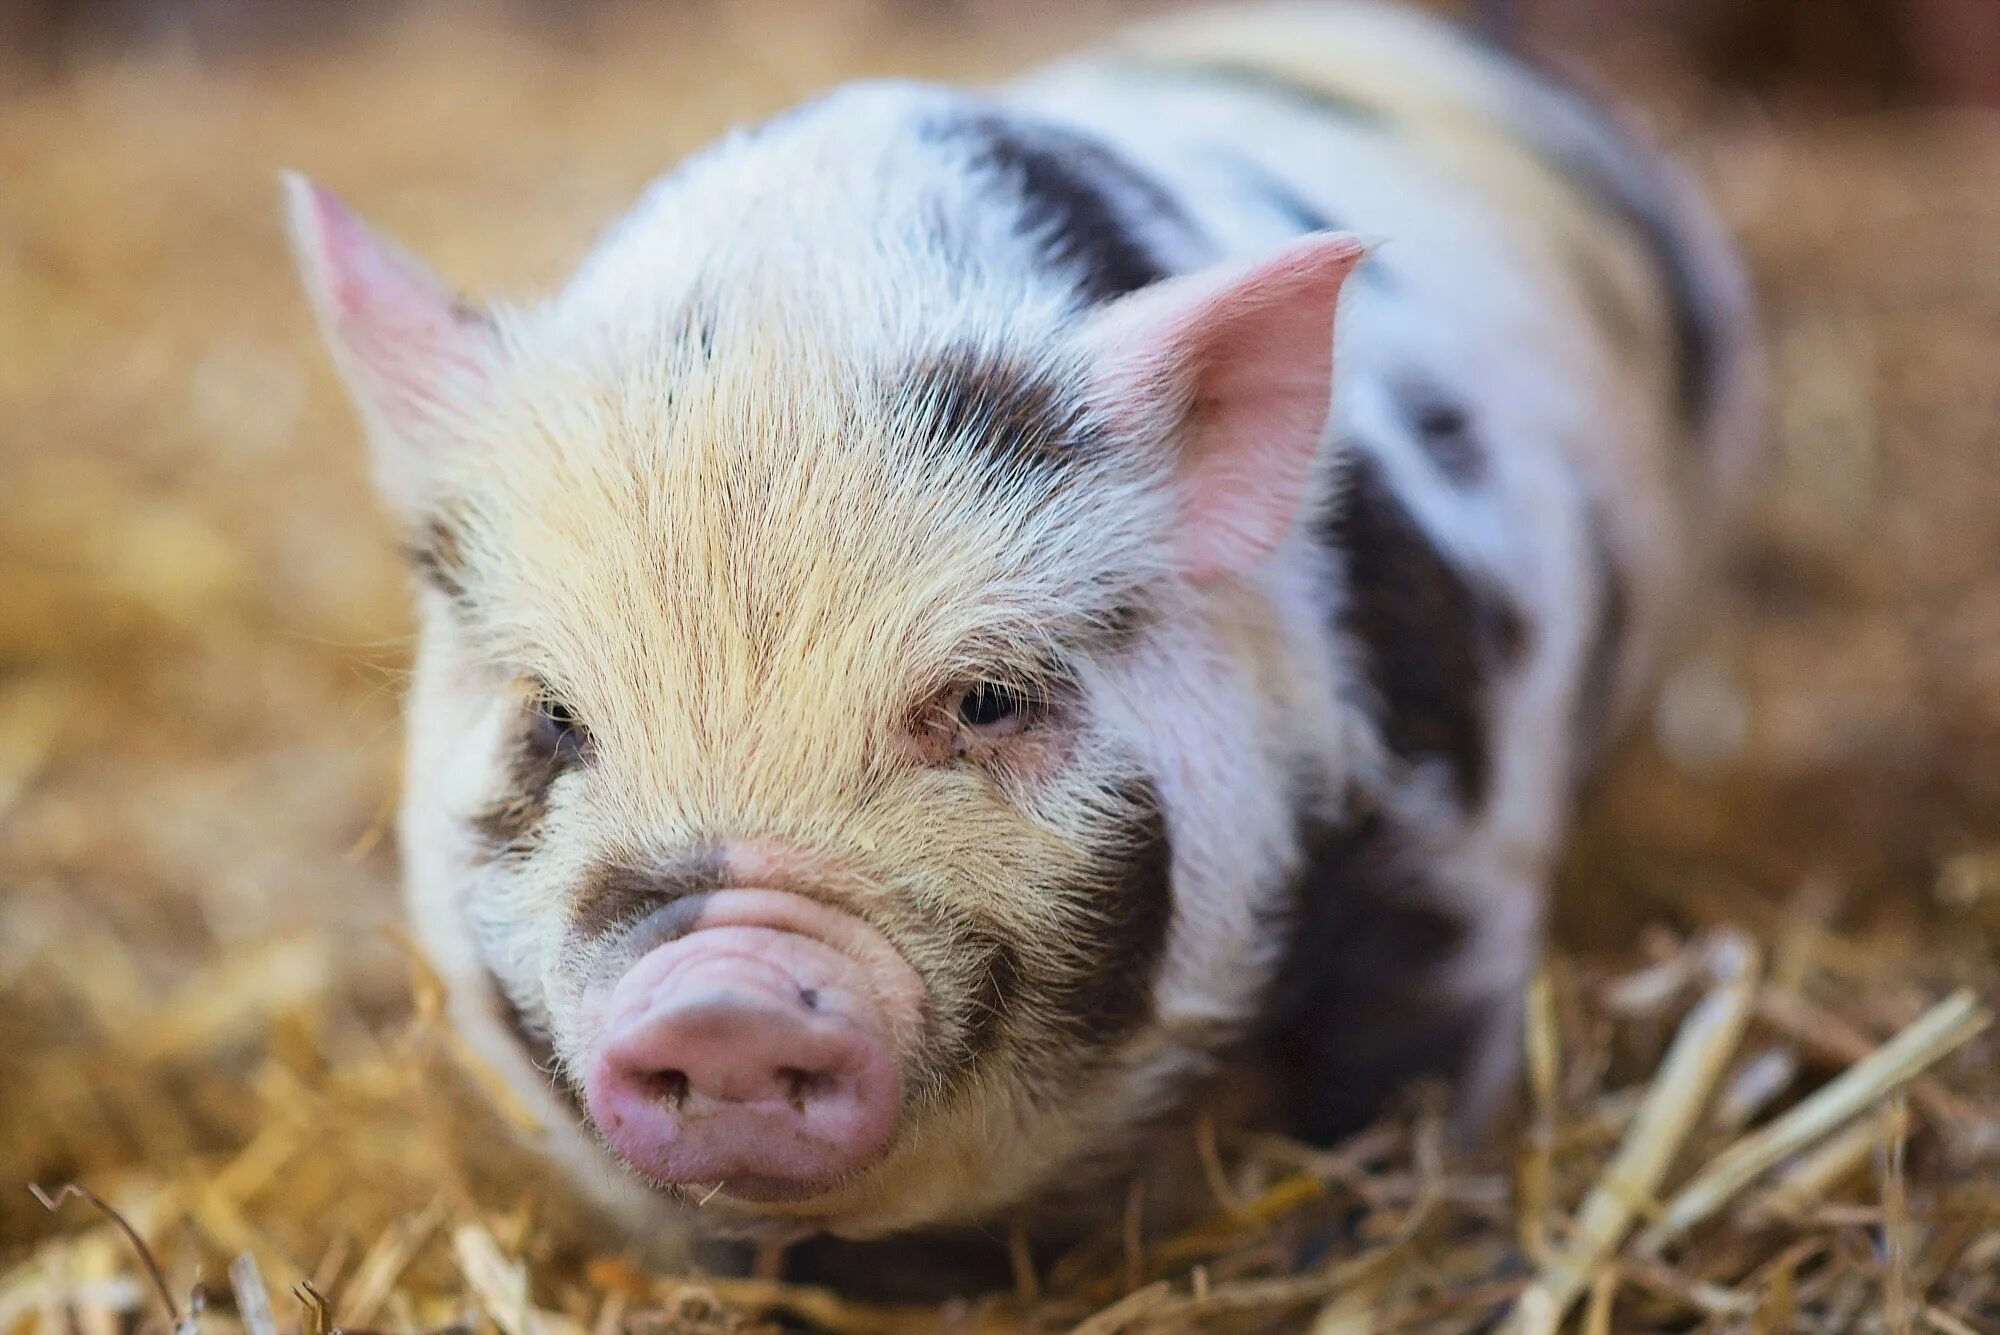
column 1760, row 1093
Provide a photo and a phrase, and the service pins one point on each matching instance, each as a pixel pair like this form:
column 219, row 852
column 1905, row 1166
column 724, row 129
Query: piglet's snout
column 754, row 1056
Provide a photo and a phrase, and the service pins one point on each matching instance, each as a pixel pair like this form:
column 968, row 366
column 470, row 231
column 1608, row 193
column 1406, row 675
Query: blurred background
column 204, row 1005
column 1863, row 52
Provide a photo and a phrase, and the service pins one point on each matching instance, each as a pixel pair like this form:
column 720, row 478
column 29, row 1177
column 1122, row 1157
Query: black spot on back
column 1358, row 1009
column 1273, row 192
column 930, row 1267
column 1624, row 326
column 1598, row 689
column 1087, row 204
column 1695, row 338
column 1587, row 146
column 1314, row 99
column 1429, row 636
column 1278, row 197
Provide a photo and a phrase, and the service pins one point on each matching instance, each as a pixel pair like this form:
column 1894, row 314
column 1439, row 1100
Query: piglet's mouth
column 758, row 1053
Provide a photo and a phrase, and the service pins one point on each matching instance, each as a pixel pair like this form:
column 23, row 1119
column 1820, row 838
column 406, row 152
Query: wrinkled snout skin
column 975, row 619
column 761, row 1049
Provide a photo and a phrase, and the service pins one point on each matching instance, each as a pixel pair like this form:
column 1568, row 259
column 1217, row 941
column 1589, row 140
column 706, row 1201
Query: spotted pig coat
column 907, row 389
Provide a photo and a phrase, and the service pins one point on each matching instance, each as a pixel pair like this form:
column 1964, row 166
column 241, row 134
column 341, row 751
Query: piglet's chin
column 758, row 1053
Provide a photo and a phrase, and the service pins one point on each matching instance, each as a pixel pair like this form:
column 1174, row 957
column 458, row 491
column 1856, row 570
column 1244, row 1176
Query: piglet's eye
column 559, row 733
column 993, row 709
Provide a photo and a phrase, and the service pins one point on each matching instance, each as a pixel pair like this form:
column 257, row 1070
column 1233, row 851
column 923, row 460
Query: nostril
column 668, row 1087
column 802, row 1086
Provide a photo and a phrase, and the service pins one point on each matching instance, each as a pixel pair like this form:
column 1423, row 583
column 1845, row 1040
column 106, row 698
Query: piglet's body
column 974, row 612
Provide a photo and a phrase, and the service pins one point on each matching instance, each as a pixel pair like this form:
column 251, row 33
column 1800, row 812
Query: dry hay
column 1759, row 1098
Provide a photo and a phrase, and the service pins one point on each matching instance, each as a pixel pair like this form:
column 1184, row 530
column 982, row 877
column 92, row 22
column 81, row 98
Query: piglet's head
column 831, row 731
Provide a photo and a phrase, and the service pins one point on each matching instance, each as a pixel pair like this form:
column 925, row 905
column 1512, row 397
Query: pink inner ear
column 1244, row 356
column 402, row 337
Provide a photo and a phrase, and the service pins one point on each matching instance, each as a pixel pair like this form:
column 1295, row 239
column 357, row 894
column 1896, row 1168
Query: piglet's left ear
column 412, row 354
column 1235, row 365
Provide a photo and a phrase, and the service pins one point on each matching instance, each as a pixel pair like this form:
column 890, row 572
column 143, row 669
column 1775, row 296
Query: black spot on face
column 1104, row 993
column 1120, row 627
column 511, row 824
column 1443, row 429
column 1358, row 1009
column 993, row 999
column 1429, row 636
column 1113, row 997
column 532, row 1037
column 997, row 406
column 1084, row 202
column 438, row 555
column 615, row 896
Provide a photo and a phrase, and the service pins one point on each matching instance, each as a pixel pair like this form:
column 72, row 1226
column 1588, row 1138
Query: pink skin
column 1253, row 347
column 758, row 1052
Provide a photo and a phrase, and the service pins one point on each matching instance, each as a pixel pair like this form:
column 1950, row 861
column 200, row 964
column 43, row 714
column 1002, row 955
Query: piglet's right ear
column 412, row 353
column 1234, row 366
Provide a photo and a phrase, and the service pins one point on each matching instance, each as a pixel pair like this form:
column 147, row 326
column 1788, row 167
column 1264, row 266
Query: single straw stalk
column 253, row 1298
column 1701, row 1050
column 501, row 1285
column 1797, row 1186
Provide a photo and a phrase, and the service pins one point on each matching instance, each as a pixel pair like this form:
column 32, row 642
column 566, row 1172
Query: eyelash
column 976, row 719
column 560, row 732
column 990, row 705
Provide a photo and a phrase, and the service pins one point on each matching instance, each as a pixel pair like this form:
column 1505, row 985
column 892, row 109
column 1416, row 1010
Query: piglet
column 975, row 614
